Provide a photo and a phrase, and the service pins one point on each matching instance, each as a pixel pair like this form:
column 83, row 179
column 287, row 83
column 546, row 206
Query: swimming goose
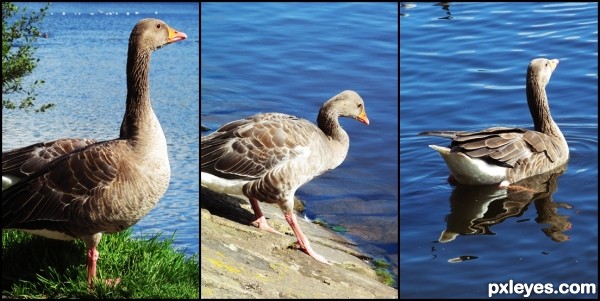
column 503, row 155
column 268, row 156
column 79, row 188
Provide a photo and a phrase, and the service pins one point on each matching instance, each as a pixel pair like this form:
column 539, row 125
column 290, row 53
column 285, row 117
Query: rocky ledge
column 240, row 261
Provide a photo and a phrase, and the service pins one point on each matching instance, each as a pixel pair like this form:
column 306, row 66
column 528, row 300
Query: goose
column 503, row 155
column 268, row 156
column 81, row 188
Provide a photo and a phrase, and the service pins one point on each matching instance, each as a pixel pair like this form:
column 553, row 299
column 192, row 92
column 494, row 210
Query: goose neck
column 329, row 124
column 138, row 108
column 539, row 108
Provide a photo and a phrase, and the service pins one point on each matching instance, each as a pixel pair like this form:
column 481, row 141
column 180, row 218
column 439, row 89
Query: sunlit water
column 462, row 67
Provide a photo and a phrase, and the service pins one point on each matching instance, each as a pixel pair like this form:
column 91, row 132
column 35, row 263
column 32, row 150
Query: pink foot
column 261, row 223
column 452, row 181
column 290, row 217
column 308, row 250
column 107, row 282
column 112, row 282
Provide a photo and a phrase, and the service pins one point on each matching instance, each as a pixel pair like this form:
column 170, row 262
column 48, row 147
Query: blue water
column 83, row 64
column 292, row 57
column 462, row 67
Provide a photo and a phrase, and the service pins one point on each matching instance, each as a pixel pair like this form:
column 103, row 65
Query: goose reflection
column 475, row 209
column 445, row 6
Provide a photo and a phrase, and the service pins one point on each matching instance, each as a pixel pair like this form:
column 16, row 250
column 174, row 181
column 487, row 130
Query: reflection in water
column 445, row 6
column 404, row 6
column 461, row 259
column 474, row 209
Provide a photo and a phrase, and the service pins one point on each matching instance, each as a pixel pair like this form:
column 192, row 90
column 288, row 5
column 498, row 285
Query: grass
column 37, row 267
column 382, row 270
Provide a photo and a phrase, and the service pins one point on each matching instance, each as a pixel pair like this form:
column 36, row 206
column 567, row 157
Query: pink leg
column 92, row 259
column 290, row 217
column 260, row 221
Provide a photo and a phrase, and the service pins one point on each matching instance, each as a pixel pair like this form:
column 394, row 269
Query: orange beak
column 363, row 117
column 175, row 36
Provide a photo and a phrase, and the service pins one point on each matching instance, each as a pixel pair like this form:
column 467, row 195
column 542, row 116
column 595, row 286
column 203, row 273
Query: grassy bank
column 36, row 267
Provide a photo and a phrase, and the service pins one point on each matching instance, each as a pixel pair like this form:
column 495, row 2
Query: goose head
column 151, row 34
column 540, row 70
column 346, row 104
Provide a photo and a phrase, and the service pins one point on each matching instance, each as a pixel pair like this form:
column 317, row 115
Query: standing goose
column 502, row 155
column 268, row 156
column 78, row 188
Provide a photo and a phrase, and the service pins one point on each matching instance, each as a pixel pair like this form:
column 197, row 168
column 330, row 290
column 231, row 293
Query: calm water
column 83, row 64
column 290, row 58
column 463, row 67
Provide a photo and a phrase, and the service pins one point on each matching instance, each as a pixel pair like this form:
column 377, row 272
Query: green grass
column 37, row 267
column 382, row 270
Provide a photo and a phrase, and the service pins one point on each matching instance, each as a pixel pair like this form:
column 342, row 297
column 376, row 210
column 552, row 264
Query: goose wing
column 504, row 146
column 25, row 161
column 73, row 194
column 249, row 148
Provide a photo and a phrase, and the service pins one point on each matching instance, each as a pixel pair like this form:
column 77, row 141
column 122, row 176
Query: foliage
column 19, row 32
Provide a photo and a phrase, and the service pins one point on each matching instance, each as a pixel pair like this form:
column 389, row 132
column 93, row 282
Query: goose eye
column 158, row 26
column 359, row 105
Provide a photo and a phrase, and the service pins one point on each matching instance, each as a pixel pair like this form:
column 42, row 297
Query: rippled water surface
column 462, row 67
column 83, row 64
column 290, row 58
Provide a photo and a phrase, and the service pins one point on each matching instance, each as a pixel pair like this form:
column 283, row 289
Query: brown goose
column 502, row 155
column 268, row 156
column 79, row 188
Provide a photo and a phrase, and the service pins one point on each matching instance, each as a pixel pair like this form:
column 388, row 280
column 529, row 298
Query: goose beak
column 553, row 64
column 175, row 36
column 363, row 117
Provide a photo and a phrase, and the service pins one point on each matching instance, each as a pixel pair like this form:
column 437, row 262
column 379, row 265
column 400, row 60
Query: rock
column 241, row 261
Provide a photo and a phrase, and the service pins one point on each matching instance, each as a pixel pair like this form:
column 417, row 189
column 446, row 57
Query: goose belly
column 50, row 234
column 471, row 171
column 217, row 184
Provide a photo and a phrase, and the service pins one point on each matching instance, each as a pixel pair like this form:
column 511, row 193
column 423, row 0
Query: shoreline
column 241, row 261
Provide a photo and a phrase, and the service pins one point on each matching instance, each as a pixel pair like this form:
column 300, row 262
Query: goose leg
column 290, row 217
column 92, row 258
column 260, row 221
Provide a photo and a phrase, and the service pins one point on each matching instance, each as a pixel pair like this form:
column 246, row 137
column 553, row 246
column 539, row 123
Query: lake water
column 83, row 64
column 292, row 57
column 462, row 67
